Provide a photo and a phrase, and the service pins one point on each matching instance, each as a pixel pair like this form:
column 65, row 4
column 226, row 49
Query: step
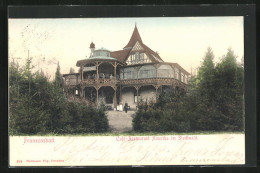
column 120, row 121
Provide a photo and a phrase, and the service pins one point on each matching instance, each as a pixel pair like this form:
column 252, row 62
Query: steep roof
column 152, row 53
column 135, row 37
column 121, row 55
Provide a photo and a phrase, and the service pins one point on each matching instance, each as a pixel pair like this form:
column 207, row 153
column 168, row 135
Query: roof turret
column 135, row 37
column 92, row 45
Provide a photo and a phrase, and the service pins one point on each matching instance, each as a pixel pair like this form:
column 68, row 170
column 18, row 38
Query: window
column 137, row 58
column 182, row 77
column 109, row 99
column 76, row 92
column 127, row 75
column 147, row 73
column 142, row 57
column 177, row 73
column 163, row 73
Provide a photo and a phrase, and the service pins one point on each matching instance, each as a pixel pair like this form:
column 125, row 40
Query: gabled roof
column 152, row 53
column 121, row 55
column 134, row 38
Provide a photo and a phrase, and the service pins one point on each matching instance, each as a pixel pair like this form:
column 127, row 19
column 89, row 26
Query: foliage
column 72, row 70
column 214, row 101
column 58, row 81
column 37, row 106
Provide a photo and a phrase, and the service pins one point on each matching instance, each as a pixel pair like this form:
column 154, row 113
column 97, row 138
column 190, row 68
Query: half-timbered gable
column 137, row 47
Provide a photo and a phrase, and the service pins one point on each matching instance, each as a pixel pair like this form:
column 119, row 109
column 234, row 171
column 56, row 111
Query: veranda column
column 81, row 92
column 120, row 94
column 97, row 70
column 97, row 88
column 81, row 73
column 115, row 69
column 173, row 88
column 179, row 75
column 114, row 97
column 156, row 92
column 137, row 93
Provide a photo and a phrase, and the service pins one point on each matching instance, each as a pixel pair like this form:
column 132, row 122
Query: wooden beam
column 97, row 88
column 97, row 64
column 115, row 69
column 115, row 104
column 81, row 73
column 137, row 93
column 120, row 94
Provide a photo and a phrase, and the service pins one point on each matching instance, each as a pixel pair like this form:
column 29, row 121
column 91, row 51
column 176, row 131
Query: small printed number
column 19, row 161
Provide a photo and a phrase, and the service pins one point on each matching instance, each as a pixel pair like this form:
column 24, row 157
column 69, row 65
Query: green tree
column 214, row 101
column 26, row 111
column 205, row 78
column 72, row 70
column 44, row 109
column 58, row 81
column 229, row 87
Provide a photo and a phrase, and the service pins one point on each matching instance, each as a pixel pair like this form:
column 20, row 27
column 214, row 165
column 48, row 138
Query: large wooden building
column 129, row 75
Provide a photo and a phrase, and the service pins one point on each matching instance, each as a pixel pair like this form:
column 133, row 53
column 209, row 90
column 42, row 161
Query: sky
column 182, row 40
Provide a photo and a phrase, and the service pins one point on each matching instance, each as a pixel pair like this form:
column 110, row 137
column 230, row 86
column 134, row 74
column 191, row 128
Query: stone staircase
column 120, row 121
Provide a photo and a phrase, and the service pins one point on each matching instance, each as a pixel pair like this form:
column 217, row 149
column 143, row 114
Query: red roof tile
column 121, row 55
column 151, row 52
column 135, row 37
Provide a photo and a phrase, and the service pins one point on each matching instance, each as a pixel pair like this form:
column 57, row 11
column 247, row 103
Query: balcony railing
column 99, row 81
column 144, row 81
column 152, row 81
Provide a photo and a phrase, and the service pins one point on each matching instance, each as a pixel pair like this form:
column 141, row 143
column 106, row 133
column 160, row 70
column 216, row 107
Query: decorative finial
column 92, row 45
column 92, row 48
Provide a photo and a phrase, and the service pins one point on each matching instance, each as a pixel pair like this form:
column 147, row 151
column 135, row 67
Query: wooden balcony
column 99, row 82
column 152, row 81
column 132, row 82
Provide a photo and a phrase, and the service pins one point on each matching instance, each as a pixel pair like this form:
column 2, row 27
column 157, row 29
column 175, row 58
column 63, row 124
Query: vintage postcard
column 126, row 91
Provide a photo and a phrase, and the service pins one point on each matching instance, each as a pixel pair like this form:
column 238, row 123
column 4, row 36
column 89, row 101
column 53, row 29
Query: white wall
column 128, row 96
column 148, row 94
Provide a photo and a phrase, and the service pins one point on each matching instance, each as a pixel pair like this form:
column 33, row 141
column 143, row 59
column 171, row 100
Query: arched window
column 128, row 73
column 147, row 71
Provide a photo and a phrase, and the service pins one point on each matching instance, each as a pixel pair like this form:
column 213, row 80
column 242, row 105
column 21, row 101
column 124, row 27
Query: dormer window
column 137, row 58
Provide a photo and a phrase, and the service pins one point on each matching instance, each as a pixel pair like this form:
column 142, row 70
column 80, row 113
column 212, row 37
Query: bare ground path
column 120, row 121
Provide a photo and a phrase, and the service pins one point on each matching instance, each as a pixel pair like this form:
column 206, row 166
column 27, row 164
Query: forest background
column 214, row 101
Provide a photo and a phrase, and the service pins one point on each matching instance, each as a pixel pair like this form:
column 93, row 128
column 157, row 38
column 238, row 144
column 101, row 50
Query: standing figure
column 126, row 107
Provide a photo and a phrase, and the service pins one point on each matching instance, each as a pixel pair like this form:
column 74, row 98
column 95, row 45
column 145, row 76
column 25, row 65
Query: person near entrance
column 126, row 107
